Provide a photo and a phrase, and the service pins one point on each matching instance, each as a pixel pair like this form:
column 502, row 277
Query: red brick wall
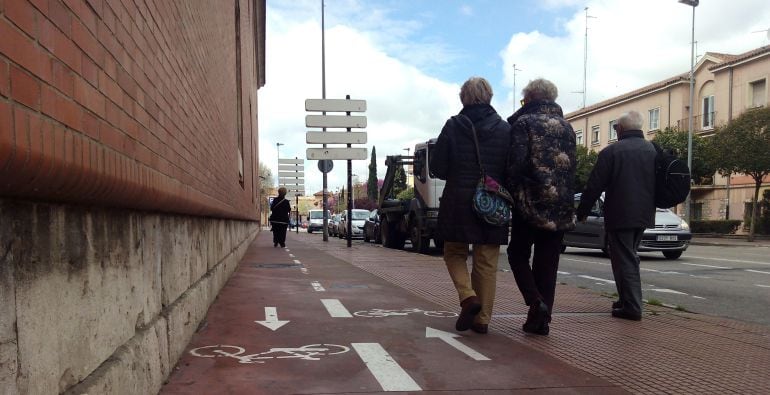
column 128, row 103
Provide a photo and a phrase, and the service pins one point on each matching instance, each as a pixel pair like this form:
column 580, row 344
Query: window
column 697, row 211
column 579, row 137
column 595, row 134
column 758, row 96
column 654, row 116
column 708, row 112
column 613, row 132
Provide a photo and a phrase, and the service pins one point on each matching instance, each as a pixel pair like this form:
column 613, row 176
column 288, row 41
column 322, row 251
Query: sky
column 408, row 59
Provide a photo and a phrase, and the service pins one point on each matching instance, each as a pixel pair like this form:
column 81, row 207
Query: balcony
column 703, row 124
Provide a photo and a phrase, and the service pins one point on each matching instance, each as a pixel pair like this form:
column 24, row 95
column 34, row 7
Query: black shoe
column 620, row 313
column 537, row 319
column 480, row 328
column 471, row 307
column 283, row 245
column 617, row 304
column 275, row 244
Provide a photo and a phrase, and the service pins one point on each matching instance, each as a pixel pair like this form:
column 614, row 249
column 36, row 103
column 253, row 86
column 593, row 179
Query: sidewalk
column 371, row 352
column 734, row 241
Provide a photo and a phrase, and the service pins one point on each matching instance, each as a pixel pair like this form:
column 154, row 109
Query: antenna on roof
column 585, row 57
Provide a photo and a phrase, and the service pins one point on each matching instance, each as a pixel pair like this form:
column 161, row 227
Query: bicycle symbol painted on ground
column 310, row 352
column 378, row 313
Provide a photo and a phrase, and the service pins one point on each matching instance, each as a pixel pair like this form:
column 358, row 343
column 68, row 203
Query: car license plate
column 666, row 238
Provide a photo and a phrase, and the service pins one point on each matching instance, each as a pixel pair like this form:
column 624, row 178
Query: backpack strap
column 475, row 141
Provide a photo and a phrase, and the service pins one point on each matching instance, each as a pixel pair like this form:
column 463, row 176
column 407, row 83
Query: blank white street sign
column 335, row 121
column 291, row 161
column 290, row 168
column 291, row 174
column 336, row 153
column 335, row 137
column 331, row 105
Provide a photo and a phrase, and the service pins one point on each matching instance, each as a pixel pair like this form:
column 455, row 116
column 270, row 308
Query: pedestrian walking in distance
column 625, row 171
column 541, row 177
column 279, row 217
column 454, row 159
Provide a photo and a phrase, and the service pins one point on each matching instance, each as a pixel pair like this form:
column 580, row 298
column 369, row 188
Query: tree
column 371, row 182
column 399, row 180
column 743, row 146
column 586, row 159
column 703, row 166
column 265, row 186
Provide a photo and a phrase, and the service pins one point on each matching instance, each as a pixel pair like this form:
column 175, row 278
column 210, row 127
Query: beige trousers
column 483, row 277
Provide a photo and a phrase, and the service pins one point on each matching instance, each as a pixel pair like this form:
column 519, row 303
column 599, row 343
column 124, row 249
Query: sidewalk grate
column 276, row 265
column 667, row 352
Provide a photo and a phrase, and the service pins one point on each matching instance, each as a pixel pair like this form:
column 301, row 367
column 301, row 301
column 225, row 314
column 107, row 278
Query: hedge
column 724, row 227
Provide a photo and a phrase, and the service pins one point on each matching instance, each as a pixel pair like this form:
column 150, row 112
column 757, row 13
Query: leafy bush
column 406, row 194
column 724, row 227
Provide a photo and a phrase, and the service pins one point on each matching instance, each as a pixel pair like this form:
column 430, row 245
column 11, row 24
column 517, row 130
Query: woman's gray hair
column 540, row 89
column 476, row 91
column 631, row 120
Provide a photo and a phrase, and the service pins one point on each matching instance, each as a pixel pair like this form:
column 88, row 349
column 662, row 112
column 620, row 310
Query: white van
column 316, row 220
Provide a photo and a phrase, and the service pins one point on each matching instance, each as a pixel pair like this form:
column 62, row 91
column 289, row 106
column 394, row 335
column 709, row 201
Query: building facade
column 128, row 183
column 725, row 86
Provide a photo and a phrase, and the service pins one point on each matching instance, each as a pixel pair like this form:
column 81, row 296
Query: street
column 730, row 282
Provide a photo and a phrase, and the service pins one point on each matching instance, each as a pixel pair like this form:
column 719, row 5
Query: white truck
column 414, row 219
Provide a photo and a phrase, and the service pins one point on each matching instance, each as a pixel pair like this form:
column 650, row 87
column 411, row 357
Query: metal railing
column 700, row 122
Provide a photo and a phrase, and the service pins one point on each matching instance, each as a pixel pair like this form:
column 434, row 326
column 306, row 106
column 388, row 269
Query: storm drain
column 276, row 265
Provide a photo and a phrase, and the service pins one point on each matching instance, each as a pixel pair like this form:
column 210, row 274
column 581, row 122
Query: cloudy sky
column 408, row 58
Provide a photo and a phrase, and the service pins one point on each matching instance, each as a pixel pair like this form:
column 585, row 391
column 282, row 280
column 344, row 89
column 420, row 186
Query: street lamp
column 514, row 86
column 693, row 4
column 278, row 161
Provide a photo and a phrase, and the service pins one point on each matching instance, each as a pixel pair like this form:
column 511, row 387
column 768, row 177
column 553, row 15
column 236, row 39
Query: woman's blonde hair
column 476, row 91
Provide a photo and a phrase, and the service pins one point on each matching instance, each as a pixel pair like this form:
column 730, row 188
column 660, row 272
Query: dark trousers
column 538, row 281
column 625, row 267
column 279, row 234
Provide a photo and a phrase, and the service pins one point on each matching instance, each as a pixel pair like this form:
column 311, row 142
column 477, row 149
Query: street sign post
column 291, row 175
column 336, row 153
column 325, row 165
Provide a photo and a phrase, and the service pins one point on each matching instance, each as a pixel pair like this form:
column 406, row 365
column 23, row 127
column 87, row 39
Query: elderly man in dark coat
column 541, row 177
column 454, row 160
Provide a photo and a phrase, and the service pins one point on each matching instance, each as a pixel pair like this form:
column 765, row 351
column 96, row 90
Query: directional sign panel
column 335, row 137
column 291, row 173
column 290, row 168
column 331, row 105
column 335, row 121
column 291, row 161
column 336, row 153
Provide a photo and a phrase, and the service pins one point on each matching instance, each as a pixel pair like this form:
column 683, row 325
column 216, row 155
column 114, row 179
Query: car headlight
column 684, row 225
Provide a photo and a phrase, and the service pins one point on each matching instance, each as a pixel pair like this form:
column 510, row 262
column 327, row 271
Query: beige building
column 725, row 86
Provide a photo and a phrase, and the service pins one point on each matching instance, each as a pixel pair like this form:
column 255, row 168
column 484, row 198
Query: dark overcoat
column 454, row 159
column 280, row 210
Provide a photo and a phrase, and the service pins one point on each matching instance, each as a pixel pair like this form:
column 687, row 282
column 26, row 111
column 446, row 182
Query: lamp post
column 693, row 4
column 278, row 162
column 514, row 86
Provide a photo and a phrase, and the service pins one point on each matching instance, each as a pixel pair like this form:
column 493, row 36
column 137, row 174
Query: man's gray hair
column 476, row 91
column 540, row 89
column 631, row 120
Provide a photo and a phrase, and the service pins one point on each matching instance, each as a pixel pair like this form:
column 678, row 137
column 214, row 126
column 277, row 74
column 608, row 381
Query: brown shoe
column 471, row 306
column 480, row 328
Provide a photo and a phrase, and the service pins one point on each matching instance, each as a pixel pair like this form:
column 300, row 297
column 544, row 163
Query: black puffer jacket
column 454, row 160
column 281, row 208
column 541, row 172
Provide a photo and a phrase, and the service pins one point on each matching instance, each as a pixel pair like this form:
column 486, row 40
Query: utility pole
column 323, row 96
column 693, row 4
column 585, row 58
column 514, row 86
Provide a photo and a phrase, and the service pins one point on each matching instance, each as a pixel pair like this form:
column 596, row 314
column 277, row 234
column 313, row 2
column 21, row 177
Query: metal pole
column 349, row 223
column 514, row 86
column 323, row 96
column 585, row 60
column 687, row 211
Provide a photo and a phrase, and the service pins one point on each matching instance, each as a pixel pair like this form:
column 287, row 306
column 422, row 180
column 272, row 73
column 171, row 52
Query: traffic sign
column 336, row 153
column 291, row 161
column 291, row 173
column 335, row 121
column 330, row 105
column 290, row 168
column 335, row 137
column 325, row 165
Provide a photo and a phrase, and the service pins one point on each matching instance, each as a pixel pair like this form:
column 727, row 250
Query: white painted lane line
column 287, row 250
column 728, row 260
column 596, row 279
column 564, row 273
column 291, row 255
column 317, row 286
column 297, row 262
column 449, row 338
column 386, row 370
column 584, row 261
column 644, row 269
column 701, row 265
column 667, row 291
column 697, row 297
column 762, row 285
column 757, row 271
column 335, row 308
column 303, row 270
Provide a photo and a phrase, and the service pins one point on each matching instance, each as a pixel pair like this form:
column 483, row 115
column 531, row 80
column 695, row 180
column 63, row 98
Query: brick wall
column 130, row 103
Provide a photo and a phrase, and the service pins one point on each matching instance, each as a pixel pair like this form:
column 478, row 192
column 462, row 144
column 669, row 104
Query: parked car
column 316, row 220
column 671, row 235
column 334, row 224
column 372, row 228
column 357, row 228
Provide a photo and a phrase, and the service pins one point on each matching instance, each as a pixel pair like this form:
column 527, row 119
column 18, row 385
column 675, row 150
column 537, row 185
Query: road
column 730, row 282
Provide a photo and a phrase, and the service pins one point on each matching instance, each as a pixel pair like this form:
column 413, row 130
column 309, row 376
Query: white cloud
column 630, row 44
column 405, row 106
column 466, row 10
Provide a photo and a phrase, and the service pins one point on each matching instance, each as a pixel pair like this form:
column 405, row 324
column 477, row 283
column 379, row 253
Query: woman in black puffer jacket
column 454, row 160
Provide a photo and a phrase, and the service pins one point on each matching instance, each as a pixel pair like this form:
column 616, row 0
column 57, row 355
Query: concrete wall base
column 105, row 301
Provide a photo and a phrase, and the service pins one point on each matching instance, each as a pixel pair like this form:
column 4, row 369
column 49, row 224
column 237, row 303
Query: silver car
column 671, row 234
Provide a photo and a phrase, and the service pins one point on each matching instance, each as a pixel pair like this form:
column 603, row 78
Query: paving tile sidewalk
column 587, row 351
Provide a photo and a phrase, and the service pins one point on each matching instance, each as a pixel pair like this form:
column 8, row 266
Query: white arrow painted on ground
column 271, row 319
column 449, row 338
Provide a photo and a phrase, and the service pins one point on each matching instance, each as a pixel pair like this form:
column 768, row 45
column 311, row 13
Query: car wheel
column 606, row 250
column 390, row 237
column 366, row 236
column 563, row 248
column 420, row 244
column 672, row 254
column 439, row 244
